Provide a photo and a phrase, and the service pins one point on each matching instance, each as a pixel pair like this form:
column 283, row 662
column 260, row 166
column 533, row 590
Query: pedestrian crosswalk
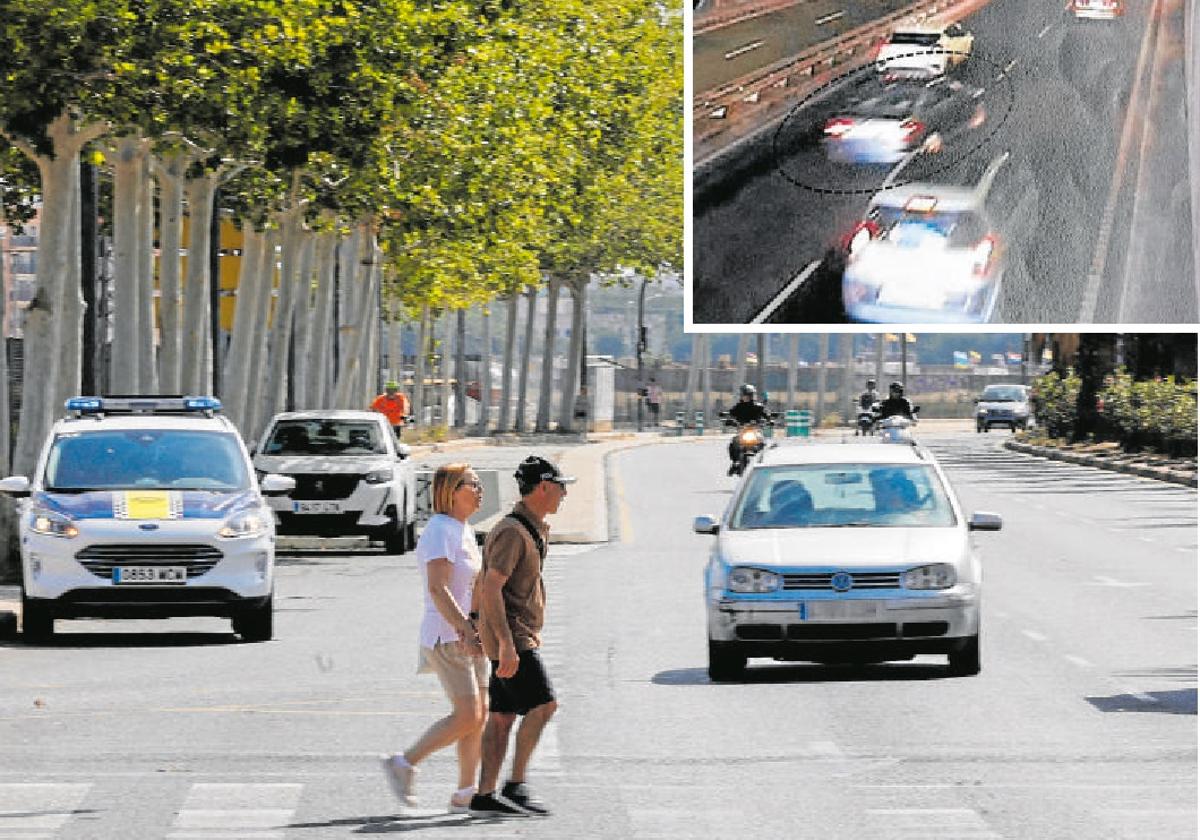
column 36, row 811
column 235, row 811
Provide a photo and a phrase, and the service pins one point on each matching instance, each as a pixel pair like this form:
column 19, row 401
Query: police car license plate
column 838, row 610
column 316, row 507
column 149, row 574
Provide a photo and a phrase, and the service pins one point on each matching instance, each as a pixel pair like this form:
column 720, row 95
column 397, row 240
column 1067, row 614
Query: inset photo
column 968, row 162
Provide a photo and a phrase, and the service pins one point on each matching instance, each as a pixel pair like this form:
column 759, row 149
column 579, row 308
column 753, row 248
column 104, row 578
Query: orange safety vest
column 394, row 408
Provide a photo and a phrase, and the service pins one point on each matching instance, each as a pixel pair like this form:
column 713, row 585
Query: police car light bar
column 158, row 404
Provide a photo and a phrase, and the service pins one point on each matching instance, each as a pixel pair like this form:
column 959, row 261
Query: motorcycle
column 866, row 420
column 747, row 443
column 897, row 429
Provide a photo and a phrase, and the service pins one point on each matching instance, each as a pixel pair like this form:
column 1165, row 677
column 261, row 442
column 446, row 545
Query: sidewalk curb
column 1157, row 473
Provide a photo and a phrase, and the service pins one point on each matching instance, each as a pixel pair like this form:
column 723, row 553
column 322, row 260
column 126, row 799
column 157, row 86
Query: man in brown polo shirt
column 512, row 604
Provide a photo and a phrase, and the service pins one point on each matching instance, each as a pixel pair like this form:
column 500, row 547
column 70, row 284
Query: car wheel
column 725, row 664
column 978, row 428
column 37, row 620
column 256, row 624
column 410, row 535
column 964, row 662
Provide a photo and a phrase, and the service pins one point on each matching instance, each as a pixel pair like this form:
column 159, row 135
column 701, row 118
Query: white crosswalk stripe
column 236, row 811
column 36, row 811
column 927, row 823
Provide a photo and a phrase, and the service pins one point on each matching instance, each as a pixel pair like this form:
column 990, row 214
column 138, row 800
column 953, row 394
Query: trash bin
column 699, row 422
column 791, row 422
column 679, row 424
column 805, row 422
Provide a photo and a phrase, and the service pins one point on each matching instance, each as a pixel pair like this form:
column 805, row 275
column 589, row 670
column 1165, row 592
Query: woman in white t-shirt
column 449, row 559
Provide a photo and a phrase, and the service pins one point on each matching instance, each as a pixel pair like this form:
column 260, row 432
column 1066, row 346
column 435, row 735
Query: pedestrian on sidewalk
column 653, row 400
column 449, row 559
column 393, row 404
column 513, row 606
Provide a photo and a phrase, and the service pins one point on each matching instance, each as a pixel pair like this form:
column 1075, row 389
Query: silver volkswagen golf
column 851, row 552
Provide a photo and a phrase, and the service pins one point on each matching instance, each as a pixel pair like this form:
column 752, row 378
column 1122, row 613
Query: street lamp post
column 641, row 348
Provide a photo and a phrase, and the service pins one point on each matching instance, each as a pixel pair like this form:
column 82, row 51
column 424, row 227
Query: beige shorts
column 461, row 676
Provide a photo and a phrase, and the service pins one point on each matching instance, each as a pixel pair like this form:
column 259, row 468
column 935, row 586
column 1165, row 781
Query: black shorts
column 525, row 690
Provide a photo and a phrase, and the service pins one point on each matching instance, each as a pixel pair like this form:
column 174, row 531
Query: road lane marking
column 1077, row 660
column 1035, row 635
column 1091, row 292
column 1008, row 67
column 732, row 54
column 38, row 809
column 785, row 293
column 830, row 18
column 236, row 810
column 898, row 168
column 1042, row 34
column 1103, row 580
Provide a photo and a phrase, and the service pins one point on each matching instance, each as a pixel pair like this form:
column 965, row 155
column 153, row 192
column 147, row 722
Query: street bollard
column 805, row 423
column 792, row 422
column 679, row 424
column 699, row 422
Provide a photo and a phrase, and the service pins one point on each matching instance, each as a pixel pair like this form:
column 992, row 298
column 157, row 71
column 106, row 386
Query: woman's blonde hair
column 446, row 480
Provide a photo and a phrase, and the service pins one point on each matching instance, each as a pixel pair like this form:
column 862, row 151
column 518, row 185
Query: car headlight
column 752, row 580
column 54, row 524
column 248, row 523
column 379, row 476
column 982, row 412
column 935, row 576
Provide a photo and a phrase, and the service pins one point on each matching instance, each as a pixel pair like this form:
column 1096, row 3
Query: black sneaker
column 488, row 805
column 518, row 793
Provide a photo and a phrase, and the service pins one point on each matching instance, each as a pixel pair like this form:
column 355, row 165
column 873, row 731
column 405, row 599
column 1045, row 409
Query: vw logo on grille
column 841, row 582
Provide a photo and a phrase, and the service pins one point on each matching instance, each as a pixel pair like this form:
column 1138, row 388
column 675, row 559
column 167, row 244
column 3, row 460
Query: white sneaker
column 460, row 804
column 401, row 779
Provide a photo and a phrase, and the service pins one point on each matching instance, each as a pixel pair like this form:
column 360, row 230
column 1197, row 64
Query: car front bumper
column 369, row 506
column 243, row 572
column 774, row 628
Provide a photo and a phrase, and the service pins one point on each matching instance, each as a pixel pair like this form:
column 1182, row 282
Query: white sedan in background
column 353, row 478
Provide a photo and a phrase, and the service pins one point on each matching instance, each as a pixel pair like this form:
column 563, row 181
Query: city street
column 1081, row 724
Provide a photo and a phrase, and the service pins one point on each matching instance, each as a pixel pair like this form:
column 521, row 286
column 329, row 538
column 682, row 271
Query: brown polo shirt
column 511, row 550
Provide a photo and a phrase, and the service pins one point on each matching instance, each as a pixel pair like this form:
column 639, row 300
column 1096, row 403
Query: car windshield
column 325, row 437
column 1003, row 393
column 843, row 495
column 913, row 229
column 920, row 39
column 146, row 459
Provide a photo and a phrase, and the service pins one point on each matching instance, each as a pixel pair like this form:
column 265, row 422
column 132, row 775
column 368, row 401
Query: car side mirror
column 273, row 484
column 706, row 524
column 403, row 451
column 16, row 486
column 984, row 522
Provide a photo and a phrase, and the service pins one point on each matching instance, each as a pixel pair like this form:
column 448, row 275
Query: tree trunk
column 879, row 350
column 321, row 343
column 542, row 424
column 291, row 229
column 846, row 391
column 301, row 381
column 351, row 377
column 460, row 369
column 526, row 359
column 506, row 371
column 237, row 373
column 170, row 172
column 57, row 265
column 485, row 371
column 419, row 366
column 257, row 360
column 793, row 366
column 129, row 196
column 706, row 375
column 350, row 278
column 570, row 385
column 395, row 343
column 693, row 378
column 446, row 358
column 73, row 310
column 194, row 345
column 823, row 356
column 368, row 375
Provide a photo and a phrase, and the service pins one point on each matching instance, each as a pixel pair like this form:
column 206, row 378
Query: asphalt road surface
column 1081, row 724
column 1107, row 237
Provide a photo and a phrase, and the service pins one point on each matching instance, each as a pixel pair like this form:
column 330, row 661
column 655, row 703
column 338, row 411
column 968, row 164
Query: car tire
column 410, row 535
column 964, row 662
column 37, row 620
column 725, row 663
column 978, row 428
column 256, row 624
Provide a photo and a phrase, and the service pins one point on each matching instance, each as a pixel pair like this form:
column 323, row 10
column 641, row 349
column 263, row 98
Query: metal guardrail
column 727, row 14
column 723, row 115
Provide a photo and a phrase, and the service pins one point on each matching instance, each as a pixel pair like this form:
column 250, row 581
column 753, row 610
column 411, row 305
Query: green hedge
column 1054, row 402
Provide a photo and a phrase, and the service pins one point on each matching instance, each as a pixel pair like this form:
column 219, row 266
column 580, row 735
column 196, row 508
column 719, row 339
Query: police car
column 146, row 507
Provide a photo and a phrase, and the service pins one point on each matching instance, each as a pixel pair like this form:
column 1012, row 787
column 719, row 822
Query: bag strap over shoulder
column 533, row 532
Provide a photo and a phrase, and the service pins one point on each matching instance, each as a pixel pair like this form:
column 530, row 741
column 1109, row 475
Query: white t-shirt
column 444, row 536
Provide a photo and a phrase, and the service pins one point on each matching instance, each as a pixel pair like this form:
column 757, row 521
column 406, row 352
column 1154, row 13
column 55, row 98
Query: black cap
column 534, row 470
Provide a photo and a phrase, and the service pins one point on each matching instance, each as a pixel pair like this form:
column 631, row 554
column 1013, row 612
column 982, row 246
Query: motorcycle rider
column 868, row 397
column 896, row 405
column 746, row 410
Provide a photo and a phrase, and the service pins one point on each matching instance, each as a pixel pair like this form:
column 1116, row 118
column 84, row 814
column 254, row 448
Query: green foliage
column 1055, row 400
column 1155, row 412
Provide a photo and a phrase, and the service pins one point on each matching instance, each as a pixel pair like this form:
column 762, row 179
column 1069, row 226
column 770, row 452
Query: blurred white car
column 353, row 478
column 924, row 50
column 146, row 507
column 850, row 552
column 1097, row 9
column 926, row 253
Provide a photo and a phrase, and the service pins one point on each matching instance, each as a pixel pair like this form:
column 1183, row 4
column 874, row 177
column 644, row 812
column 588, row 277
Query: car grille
column 324, row 486
column 197, row 559
column 1000, row 413
column 840, row 631
column 861, row 580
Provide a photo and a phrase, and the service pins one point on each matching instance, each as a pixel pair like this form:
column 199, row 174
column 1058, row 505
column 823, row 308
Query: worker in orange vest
column 393, row 405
